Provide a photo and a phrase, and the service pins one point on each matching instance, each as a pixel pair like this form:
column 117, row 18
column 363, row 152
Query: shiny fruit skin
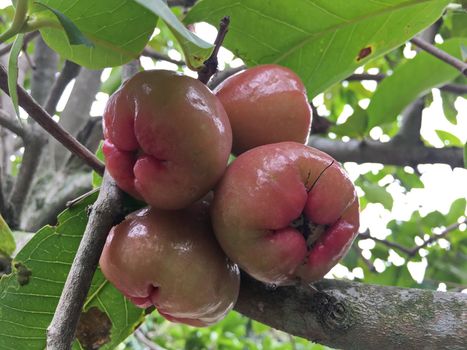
column 263, row 191
column 170, row 259
column 167, row 138
column 265, row 104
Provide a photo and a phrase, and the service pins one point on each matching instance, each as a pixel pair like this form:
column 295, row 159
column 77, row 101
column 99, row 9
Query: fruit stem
column 210, row 65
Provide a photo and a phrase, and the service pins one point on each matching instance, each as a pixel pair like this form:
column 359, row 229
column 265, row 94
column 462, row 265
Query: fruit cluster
column 282, row 211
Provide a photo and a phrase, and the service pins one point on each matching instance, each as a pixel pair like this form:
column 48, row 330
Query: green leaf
column 448, row 138
column 355, row 126
column 195, row 49
column 408, row 180
column 97, row 178
column 75, row 37
column 449, row 110
column 411, row 80
column 113, row 82
column 118, row 29
column 29, row 295
column 7, row 241
column 456, row 210
column 465, row 155
column 322, row 41
column 13, row 71
column 377, row 194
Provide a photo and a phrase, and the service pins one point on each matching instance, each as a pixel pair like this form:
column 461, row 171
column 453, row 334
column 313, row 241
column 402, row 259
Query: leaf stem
column 21, row 15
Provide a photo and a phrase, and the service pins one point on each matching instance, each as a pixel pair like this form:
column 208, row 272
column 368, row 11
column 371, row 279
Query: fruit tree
column 218, row 174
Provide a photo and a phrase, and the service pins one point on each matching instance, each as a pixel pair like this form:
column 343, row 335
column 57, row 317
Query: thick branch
column 387, row 153
column 36, row 112
column 106, row 211
column 361, row 316
column 442, row 55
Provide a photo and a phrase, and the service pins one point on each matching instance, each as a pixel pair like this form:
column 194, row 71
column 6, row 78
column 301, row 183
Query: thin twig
column 184, row 3
column 219, row 77
column 367, row 262
column 366, row 235
column 210, row 65
column 453, row 88
column 106, row 211
column 69, row 72
column 435, row 238
column 27, row 38
column 442, row 55
column 148, row 52
column 147, row 342
column 37, row 113
column 11, row 124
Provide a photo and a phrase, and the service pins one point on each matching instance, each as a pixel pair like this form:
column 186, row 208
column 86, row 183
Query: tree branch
column 210, row 65
column 359, row 316
column 219, row 77
column 366, row 235
column 148, row 52
column 69, row 72
column 27, row 38
column 452, row 88
column 146, row 341
column 76, row 112
column 184, row 3
column 442, row 55
column 387, row 152
column 36, row 112
column 106, row 212
column 409, row 131
column 435, row 238
column 11, row 124
column 33, row 145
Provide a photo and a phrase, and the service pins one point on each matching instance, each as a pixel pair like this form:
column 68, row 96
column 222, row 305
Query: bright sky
column 442, row 184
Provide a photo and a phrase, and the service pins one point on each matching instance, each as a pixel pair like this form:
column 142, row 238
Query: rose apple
column 168, row 138
column 265, row 104
column 171, row 259
column 285, row 212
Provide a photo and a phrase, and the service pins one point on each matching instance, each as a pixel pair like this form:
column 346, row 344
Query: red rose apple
column 265, row 104
column 168, row 138
column 285, row 212
column 171, row 259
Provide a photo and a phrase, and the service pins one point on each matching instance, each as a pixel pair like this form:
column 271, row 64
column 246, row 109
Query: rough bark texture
column 360, row 316
column 105, row 212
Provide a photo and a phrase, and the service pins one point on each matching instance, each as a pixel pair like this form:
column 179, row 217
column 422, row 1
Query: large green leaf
column 195, row 49
column 322, row 41
column 7, row 242
column 410, row 80
column 29, row 295
column 118, row 29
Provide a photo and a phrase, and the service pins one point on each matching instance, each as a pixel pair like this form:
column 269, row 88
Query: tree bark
column 390, row 153
column 353, row 315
